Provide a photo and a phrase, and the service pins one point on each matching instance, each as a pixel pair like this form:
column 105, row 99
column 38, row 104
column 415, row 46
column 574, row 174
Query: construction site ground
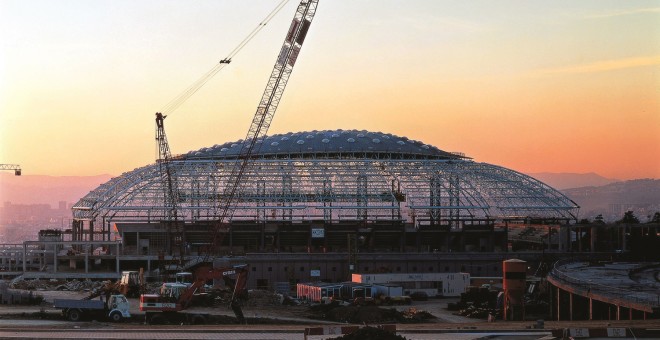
column 262, row 310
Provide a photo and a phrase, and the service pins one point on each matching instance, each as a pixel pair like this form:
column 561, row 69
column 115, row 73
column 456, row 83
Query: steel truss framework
column 331, row 187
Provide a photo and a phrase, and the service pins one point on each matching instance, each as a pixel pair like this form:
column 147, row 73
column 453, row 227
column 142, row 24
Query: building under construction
column 334, row 194
column 314, row 205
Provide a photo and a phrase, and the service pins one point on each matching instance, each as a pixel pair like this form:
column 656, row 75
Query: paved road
column 252, row 334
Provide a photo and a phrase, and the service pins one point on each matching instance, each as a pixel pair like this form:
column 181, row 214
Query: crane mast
column 170, row 188
column 263, row 117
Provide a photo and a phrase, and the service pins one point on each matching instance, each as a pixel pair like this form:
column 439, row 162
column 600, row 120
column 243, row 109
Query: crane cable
column 181, row 98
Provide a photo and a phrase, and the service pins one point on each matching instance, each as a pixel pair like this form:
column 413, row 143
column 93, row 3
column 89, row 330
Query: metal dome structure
column 330, row 176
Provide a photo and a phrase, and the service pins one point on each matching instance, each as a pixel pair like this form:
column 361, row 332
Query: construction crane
column 176, row 234
column 15, row 167
column 171, row 192
column 262, row 119
column 259, row 127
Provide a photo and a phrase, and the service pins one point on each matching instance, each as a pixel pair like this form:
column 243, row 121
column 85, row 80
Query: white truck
column 115, row 308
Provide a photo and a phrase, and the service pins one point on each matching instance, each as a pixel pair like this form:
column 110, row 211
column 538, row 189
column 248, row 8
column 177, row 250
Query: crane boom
column 266, row 109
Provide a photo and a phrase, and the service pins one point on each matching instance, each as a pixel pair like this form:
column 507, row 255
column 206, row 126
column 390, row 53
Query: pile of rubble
column 415, row 315
column 53, row 284
column 258, row 297
column 478, row 303
column 368, row 314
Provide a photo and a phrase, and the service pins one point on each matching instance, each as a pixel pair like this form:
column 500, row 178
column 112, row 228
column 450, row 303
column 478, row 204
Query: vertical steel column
column 24, row 254
column 570, row 306
column 361, row 195
column 55, row 260
column 117, row 259
column 435, row 195
column 558, row 304
column 454, row 199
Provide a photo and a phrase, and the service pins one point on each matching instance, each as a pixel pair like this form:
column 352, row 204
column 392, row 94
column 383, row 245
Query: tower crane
column 171, row 192
column 258, row 128
column 263, row 117
column 15, row 167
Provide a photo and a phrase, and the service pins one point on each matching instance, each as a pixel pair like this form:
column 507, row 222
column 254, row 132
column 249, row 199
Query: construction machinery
column 131, row 284
column 114, row 308
column 15, row 167
column 159, row 306
column 168, row 306
column 259, row 127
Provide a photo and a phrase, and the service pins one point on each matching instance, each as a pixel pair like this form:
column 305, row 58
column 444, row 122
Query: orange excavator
column 168, row 306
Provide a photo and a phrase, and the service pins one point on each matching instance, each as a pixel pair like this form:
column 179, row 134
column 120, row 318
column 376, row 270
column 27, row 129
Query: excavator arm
column 236, row 274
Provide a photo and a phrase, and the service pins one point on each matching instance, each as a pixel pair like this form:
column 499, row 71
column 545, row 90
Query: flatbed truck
column 115, row 308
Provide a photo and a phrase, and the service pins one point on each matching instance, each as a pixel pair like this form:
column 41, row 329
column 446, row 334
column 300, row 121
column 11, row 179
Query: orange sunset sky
column 535, row 86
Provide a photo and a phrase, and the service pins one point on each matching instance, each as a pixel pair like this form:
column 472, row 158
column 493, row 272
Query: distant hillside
column 562, row 181
column 38, row 189
column 642, row 196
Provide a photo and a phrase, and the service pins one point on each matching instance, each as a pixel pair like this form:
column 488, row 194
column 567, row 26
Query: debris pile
column 368, row 314
column 73, row 285
column 258, row 297
column 477, row 302
column 370, row 333
column 415, row 315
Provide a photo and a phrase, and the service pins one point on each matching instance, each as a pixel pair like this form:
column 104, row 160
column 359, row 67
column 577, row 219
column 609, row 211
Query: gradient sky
column 535, row 86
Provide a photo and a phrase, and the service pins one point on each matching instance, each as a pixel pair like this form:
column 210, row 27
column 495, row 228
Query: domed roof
column 393, row 177
column 330, row 143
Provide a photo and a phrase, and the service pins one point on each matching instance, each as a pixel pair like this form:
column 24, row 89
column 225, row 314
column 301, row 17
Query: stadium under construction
column 320, row 206
column 314, row 205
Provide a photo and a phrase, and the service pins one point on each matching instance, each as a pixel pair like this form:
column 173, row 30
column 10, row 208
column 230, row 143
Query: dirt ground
column 290, row 315
column 253, row 309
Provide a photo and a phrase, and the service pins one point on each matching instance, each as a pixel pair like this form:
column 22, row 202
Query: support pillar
column 117, row 259
column 55, row 259
column 558, row 304
column 24, row 254
column 592, row 239
column 570, row 306
column 564, row 305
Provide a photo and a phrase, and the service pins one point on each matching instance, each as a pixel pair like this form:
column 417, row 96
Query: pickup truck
column 115, row 308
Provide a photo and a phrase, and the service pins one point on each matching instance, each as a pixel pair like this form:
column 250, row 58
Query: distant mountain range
column 562, row 181
column 642, row 196
column 611, row 198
